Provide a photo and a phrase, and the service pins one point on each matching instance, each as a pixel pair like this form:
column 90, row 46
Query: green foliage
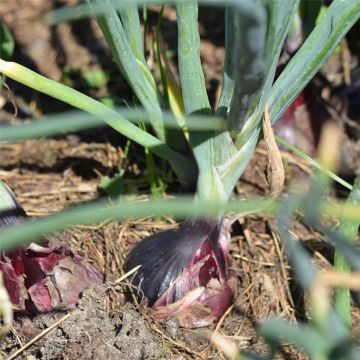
column 219, row 160
column 309, row 12
column 7, row 46
column 195, row 97
column 326, row 335
column 95, row 79
column 115, row 186
column 313, row 162
column 136, row 73
column 320, row 44
column 7, row 43
column 105, row 210
column 348, row 229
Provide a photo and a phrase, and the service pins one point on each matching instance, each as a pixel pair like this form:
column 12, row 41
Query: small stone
column 172, row 327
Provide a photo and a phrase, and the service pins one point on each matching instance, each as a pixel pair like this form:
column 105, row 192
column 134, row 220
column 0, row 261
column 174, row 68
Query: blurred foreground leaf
column 348, row 229
column 7, row 43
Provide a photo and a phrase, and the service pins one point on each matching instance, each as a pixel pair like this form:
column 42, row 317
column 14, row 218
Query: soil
column 52, row 174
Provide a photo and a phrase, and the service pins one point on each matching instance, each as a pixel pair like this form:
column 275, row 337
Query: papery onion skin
column 184, row 272
column 164, row 255
column 42, row 277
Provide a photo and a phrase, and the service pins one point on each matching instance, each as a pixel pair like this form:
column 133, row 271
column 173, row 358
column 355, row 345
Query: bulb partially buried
column 184, row 272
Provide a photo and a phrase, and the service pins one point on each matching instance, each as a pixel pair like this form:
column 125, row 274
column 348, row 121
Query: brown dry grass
column 257, row 256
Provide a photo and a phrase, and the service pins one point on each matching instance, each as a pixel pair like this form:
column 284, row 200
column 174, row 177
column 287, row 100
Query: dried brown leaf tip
column 276, row 173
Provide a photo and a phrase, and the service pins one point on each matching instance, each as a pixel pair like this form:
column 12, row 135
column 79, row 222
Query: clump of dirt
column 93, row 332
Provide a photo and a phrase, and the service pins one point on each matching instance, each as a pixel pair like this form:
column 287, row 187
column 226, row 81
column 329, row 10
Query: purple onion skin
column 46, row 277
column 185, row 269
column 164, row 255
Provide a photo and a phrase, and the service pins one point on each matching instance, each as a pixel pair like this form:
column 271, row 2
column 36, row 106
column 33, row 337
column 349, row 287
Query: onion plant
column 214, row 157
